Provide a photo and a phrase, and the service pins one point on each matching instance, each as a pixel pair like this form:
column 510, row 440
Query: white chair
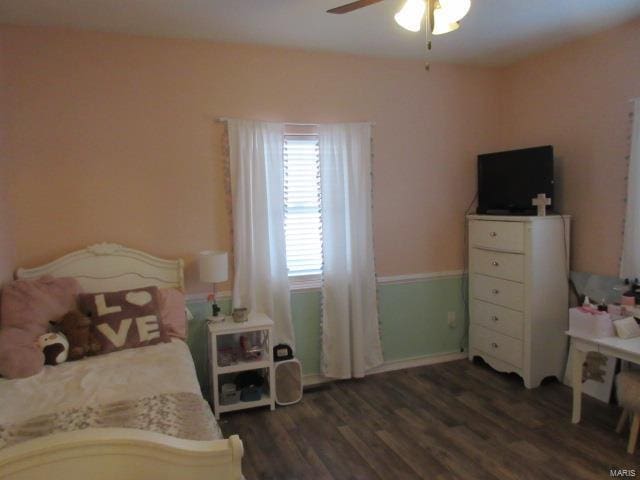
column 628, row 387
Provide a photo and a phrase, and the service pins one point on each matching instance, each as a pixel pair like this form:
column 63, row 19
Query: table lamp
column 214, row 268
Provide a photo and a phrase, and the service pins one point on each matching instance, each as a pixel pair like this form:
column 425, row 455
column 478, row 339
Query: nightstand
column 224, row 339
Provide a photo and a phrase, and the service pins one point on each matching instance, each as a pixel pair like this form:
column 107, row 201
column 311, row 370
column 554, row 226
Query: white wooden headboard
column 108, row 267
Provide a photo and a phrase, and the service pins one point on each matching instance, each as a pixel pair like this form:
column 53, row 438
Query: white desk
column 628, row 350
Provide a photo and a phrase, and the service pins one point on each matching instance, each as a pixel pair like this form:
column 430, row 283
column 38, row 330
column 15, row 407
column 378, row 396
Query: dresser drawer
column 500, row 292
column 497, row 264
column 496, row 318
column 497, row 345
column 508, row 236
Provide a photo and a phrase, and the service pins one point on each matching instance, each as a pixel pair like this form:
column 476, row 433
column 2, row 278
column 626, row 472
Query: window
column 302, row 199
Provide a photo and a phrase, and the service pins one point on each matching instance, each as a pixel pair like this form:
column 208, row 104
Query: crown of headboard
column 108, row 267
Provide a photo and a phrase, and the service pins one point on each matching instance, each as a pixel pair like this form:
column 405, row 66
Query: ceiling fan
column 441, row 16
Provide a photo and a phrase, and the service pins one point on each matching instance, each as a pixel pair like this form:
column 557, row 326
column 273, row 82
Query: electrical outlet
column 451, row 319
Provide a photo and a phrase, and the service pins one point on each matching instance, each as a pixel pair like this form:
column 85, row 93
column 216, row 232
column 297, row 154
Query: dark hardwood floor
column 454, row 420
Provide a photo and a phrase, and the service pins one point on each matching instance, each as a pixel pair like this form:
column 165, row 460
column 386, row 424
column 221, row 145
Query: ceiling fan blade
column 350, row 7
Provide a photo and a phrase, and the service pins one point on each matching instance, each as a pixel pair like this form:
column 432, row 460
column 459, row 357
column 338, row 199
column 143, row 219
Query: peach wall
column 116, row 140
column 576, row 97
column 7, row 245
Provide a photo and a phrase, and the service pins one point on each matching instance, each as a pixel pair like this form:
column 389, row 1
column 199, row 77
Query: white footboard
column 119, row 453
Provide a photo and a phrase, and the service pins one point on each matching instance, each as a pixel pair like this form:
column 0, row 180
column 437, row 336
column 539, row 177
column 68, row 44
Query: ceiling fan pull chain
column 428, row 29
column 426, row 53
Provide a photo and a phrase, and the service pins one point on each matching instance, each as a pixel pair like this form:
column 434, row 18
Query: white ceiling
column 494, row 31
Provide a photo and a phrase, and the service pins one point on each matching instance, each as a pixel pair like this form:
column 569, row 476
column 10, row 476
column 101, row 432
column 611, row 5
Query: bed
column 134, row 413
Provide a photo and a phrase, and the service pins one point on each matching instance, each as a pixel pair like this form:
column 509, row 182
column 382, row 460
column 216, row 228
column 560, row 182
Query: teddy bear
column 77, row 328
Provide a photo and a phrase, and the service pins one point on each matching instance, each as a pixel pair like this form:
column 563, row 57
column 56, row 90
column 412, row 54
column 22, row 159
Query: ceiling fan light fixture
column 441, row 23
column 410, row 15
column 453, row 10
column 442, row 28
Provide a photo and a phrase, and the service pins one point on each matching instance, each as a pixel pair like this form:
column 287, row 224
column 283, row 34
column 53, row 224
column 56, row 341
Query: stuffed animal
column 77, row 328
column 55, row 347
column 27, row 307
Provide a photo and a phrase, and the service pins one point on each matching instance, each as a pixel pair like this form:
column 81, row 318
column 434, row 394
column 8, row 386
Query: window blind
column 302, row 198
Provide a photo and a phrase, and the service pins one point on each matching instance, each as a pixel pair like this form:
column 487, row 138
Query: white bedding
column 124, row 375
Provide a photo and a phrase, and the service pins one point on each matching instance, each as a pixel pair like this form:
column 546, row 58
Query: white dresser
column 518, row 294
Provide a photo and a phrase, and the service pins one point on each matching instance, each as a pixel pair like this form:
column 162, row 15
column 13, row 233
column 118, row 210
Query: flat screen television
column 507, row 181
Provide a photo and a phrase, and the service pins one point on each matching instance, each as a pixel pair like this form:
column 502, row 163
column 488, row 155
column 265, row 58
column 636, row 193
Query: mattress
column 123, row 389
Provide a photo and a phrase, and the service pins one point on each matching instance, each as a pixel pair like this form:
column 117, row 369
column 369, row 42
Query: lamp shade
column 441, row 25
column 454, row 10
column 213, row 266
column 410, row 15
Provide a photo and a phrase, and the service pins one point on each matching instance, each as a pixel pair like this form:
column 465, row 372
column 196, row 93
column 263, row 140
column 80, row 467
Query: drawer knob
column 495, row 291
column 493, row 234
column 494, row 318
column 495, row 263
column 494, row 345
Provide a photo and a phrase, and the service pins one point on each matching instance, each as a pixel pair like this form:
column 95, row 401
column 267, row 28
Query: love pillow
column 124, row 319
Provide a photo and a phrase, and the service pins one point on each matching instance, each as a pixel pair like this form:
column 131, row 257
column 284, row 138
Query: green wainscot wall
column 413, row 321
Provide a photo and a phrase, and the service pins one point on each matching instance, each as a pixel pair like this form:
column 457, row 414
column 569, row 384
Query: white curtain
column 350, row 331
column 630, row 262
column 261, row 282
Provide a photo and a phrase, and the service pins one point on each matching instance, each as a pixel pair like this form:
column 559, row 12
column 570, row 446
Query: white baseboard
column 312, row 379
column 421, row 361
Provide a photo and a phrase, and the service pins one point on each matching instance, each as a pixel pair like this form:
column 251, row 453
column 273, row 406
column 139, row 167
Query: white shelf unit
column 256, row 323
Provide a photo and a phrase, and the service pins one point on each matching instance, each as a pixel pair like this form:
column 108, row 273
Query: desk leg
column 576, row 379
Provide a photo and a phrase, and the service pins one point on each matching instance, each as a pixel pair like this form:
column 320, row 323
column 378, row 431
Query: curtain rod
column 224, row 119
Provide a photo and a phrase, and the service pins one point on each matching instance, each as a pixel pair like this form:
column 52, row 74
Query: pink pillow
column 27, row 308
column 172, row 312
column 20, row 355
